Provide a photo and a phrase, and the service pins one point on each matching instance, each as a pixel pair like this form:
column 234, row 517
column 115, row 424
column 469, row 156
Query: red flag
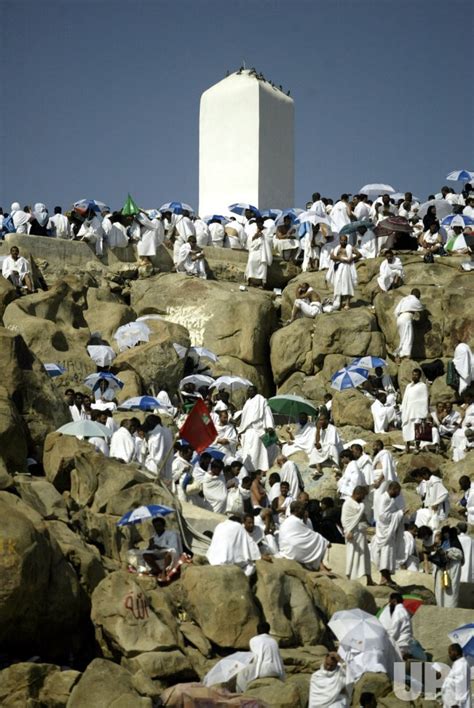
column 198, row 428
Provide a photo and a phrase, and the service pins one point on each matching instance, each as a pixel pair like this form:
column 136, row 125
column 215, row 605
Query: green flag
column 130, row 208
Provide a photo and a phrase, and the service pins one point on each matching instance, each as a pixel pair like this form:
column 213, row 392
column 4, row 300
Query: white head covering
column 40, row 213
column 15, row 207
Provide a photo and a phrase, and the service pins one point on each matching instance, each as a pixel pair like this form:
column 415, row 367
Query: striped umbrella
column 54, row 369
column 293, row 213
column 349, row 377
column 216, row 217
column 176, row 207
column 271, row 214
column 144, row 513
column 460, row 176
column 241, row 208
column 368, row 362
column 142, row 403
column 92, row 381
column 457, row 220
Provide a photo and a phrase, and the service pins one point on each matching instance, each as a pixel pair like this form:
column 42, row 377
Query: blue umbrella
column 91, row 204
column 54, row 369
column 142, row 403
column 349, row 378
column 464, row 636
column 215, row 217
column 144, row 513
column 241, row 207
column 368, row 362
column 460, row 176
column 92, row 381
column 176, row 207
column 461, row 220
column 271, row 214
column 293, row 213
column 354, row 225
column 216, row 454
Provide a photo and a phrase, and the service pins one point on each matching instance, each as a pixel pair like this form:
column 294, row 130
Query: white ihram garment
column 456, row 689
column 404, row 312
column 463, row 361
column 387, row 544
column 267, row 662
column 388, row 272
column 342, row 276
column 298, row 542
column 303, row 440
column 357, row 547
column 331, row 446
column 122, row 445
column 260, row 257
column 255, row 419
column 414, row 408
column 327, row 689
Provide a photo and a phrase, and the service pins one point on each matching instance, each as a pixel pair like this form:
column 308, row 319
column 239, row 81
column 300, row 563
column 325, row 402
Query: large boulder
column 341, row 595
column 106, row 312
column 291, row 349
column 59, row 455
column 30, row 388
column 84, row 557
column 52, row 324
column 7, row 295
column 351, row 334
column 275, row 693
column 217, row 315
column 287, row 604
column 43, row 497
column 13, row 434
column 41, row 609
column 30, row 684
column 106, row 685
column 226, row 611
column 352, row 405
column 126, row 621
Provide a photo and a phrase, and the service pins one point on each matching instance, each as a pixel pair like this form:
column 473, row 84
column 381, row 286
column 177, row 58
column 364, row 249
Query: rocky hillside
column 76, row 628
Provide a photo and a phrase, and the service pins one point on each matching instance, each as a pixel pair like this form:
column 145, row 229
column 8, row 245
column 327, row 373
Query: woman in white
column 342, row 274
column 391, row 273
column 21, row 219
column 260, row 256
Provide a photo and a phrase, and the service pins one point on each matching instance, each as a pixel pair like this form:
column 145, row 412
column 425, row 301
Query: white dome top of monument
column 247, row 78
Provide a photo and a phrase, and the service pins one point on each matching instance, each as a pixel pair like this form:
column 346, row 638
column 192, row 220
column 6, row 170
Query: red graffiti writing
column 137, row 604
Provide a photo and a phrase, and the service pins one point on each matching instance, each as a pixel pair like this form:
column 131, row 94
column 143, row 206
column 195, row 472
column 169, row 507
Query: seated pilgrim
column 298, row 542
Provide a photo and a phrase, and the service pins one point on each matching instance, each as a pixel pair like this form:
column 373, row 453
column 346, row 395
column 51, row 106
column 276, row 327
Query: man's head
column 461, row 527
column 251, row 392
column 246, row 483
column 416, row 375
column 297, row 508
column 69, row 395
column 395, row 599
column 15, row 252
column 216, row 467
column 58, row 210
column 378, row 446
column 454, row 651
column 424, row 473
column 412, row 528
column 394, row 490
column 323, row 420
column 346, row 456
column 151, row 421
column 274, row 478
column 357, row 451
column 359, row 494
column 330, row 662
column 223, row 417
column 186, row 452
column 284, row 489
column 386, row 200
column 368, row 700
column 204, row 460
column 249, row 522
column 159, row 524
column 464, row 483
column 416, row 293
column 263, row 628
column 302, row 419
column 280, row 460
column 343, row 240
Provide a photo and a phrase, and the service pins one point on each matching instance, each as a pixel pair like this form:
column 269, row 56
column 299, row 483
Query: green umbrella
column 130, row 208
column 291, row 405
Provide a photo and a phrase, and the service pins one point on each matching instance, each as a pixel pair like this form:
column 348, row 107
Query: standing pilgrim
column 414, row 408
column 256, row 420
column 405, row 313
column 260, row 256
column 463, row 361
column 387, row 545
column 456, row 689
column 384, row 471
column 342, row 274
column 148, row 230
column 355, row 525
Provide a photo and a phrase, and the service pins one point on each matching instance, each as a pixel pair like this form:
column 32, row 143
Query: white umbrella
column 349, row 377
column 232, row 382
column 130, row 334
column 198, row 380
column 200, row 351
column 357, row 629
column 377, row 188
column 443, row 208
column 312, row 217
column 85, row 429
column 228, row 667
column 100, row 354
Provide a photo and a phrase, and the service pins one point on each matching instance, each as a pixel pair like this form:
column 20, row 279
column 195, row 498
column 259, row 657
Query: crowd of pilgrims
column 320, row 238
column 253, row 480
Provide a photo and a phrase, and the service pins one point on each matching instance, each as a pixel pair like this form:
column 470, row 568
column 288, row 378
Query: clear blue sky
column 101, row 97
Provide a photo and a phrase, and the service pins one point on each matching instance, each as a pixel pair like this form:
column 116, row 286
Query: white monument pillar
column 246, row 150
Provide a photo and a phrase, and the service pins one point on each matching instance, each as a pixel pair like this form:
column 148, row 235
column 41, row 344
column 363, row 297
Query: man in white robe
column 371, row 243
column 391, row 273
column 91, row 231
column 260, row 256
column 342, row 274
column 410, row 560
column 203, row 237
column 214, row 487
column 405, row 312
column 16, row 269
column 190, row 259
column 467, row 543
column 236, row 235
column 160, row 443
column 59, row 225
column 151, row 234
column 435, row 501
column 340, row 214
column 122, row 442
column 231, row 545
column 255, row 421
column 217, row 234
column 354, row 524
column 290, row 473
column 397, row 621
column 387, row 545
column 298, row 542
column 415, row 408
column 352, row 476
column 327, row 444
column 302, row 440
column 183, row 228
column 456, row 689
column 383, row 412
column 226, row 440
column 164, row 548
column 327, row 688
column 267, row 661
column 463, row 361
column 362, row 209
